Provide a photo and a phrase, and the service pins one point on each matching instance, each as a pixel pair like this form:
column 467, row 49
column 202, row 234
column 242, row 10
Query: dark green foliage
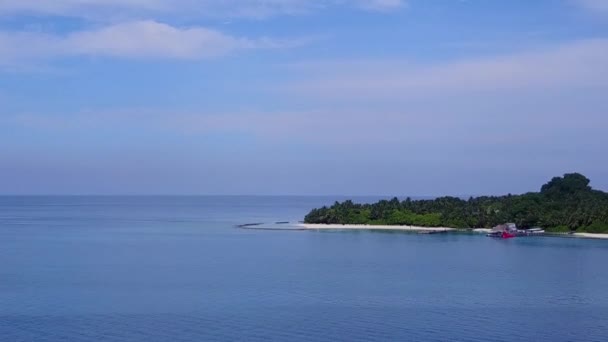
column 564, row 204
column 596, row 227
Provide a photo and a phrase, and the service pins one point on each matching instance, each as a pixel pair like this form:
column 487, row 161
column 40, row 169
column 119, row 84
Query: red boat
column 507, row 235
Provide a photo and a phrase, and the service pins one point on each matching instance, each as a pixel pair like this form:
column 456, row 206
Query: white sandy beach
column 482, row 230
column 371, row 227
column 591, row 235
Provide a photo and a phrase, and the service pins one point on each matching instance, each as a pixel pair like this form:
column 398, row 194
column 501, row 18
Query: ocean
column 177, row 269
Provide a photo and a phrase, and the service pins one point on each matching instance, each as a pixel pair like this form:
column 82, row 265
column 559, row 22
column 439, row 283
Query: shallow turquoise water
column 176, row 269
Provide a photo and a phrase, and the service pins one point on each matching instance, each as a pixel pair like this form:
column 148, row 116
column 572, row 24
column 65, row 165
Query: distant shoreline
column 405, row 228
column 316, row 226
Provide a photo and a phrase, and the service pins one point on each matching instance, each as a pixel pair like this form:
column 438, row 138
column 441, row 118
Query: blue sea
column 177, row 269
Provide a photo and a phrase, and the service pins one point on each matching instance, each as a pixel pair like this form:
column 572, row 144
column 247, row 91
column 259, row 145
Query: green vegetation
column 564, row 204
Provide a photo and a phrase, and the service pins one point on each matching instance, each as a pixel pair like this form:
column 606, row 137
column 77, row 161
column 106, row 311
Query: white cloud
column 152, row 39
column 138, row 39
column 206, row 8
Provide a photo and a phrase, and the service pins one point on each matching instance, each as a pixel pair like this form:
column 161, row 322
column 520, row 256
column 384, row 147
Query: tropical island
column 564, row 204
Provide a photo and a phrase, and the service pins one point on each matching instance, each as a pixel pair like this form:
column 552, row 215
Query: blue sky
column 356, row 97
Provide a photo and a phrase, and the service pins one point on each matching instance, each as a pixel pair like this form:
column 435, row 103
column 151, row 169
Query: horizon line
column 247, row 195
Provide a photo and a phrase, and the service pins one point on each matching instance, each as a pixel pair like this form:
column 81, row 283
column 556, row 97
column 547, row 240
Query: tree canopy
column 565, row 203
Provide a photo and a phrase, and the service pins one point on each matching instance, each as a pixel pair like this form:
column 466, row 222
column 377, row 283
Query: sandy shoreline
column 591, row 235
column 419, row 229
column 312, row 226
column 372, row 227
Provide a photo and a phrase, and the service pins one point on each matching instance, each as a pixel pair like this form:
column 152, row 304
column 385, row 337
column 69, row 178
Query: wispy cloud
column 381, row 5
column 596, row 5
column 576, row 64
column 451, row 98
column 137, row 39
column 514, row 120
column 201, row 8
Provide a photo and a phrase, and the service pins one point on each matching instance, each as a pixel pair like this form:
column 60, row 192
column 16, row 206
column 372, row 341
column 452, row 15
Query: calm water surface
column 176, row 269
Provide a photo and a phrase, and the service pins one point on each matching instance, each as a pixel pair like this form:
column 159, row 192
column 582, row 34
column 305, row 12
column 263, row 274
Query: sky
column 301, row 97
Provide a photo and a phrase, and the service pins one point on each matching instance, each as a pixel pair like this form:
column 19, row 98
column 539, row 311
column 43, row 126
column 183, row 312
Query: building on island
column 507, row 227
column 509, row 230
